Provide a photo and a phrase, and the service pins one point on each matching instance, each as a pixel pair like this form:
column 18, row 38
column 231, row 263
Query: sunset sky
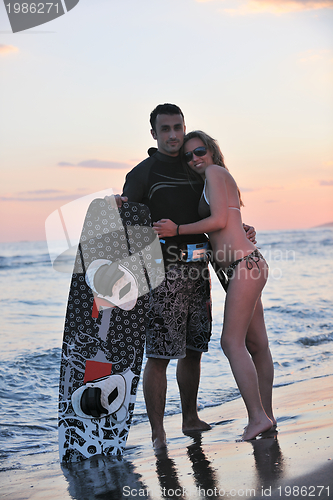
column 257, row 75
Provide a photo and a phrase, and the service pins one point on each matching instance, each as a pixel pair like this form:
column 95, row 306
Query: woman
column 244, row 338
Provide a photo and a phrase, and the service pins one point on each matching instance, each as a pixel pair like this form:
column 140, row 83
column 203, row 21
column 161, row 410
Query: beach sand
column 297, row 463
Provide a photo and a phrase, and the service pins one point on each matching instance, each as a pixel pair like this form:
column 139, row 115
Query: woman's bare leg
column 243, row 293
column 258, row 347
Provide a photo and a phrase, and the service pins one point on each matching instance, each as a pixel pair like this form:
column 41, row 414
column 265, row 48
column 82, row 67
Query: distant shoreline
column 328, row 224
column 320, row 226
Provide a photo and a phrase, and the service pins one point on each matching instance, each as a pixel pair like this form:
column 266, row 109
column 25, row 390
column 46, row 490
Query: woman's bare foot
column 271, row 432
column 272, row 418
column 253, row 429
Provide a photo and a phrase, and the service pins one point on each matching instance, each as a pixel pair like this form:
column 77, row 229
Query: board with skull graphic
column 118, row 262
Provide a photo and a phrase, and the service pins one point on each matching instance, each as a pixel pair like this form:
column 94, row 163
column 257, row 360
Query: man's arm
column 250, row 233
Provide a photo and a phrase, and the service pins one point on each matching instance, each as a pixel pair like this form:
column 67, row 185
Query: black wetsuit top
column 161, row 183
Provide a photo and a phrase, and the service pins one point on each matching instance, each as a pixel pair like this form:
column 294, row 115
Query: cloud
column 262, row 188
column 42, row 195
column 247, row 190
column 42, row 191
column 313, row 56
column 97, row 164
column 7, row 49
column 277, row 6
column 49, row 195
column 326, row 183
column 39, row 198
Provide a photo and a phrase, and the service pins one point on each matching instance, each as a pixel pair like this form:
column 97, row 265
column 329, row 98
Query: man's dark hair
column 164, row 109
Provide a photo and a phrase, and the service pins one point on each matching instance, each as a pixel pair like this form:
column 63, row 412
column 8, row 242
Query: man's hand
column 116, row 200
column 250, row 233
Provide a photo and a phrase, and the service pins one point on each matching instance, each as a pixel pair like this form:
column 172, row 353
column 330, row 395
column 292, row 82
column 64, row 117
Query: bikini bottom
column 251, row 260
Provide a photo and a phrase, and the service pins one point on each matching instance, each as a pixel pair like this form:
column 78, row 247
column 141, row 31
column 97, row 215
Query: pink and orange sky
column 257, row 75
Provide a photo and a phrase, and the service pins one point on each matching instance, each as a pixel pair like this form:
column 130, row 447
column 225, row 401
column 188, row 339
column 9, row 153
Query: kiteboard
column 118, row 262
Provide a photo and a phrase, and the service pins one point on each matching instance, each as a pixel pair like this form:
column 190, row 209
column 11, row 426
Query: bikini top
column 203, row 207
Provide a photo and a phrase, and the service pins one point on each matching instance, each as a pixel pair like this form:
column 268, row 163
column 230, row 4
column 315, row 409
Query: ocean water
column 298, row 313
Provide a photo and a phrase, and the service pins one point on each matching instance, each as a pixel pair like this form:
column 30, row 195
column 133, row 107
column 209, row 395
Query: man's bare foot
column 196, row 425
column 159, row 440
column 159, row 444
column 253, row 429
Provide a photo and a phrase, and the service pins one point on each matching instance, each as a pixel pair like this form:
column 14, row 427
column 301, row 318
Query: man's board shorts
column 180, row 312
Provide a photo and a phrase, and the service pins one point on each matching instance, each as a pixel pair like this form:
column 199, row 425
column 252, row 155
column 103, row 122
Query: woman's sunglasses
column 200, row 151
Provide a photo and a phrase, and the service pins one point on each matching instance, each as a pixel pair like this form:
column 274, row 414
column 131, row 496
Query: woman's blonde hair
column 212, row 145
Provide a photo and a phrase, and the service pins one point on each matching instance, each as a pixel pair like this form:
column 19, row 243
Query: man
column 180, row 321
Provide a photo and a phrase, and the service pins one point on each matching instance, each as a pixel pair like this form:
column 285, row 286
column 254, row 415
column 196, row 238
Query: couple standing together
column 189, row 194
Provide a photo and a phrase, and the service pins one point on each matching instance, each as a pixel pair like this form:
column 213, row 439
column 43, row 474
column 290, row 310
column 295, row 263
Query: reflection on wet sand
column 269, row 461
column 102, row 478
column 205, row 477
column 167, row 474
column 113, row 479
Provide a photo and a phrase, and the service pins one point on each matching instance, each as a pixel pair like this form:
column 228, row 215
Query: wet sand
column 295, row 463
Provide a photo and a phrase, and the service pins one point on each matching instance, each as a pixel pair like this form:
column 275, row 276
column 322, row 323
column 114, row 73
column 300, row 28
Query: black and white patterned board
column 117, row 263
